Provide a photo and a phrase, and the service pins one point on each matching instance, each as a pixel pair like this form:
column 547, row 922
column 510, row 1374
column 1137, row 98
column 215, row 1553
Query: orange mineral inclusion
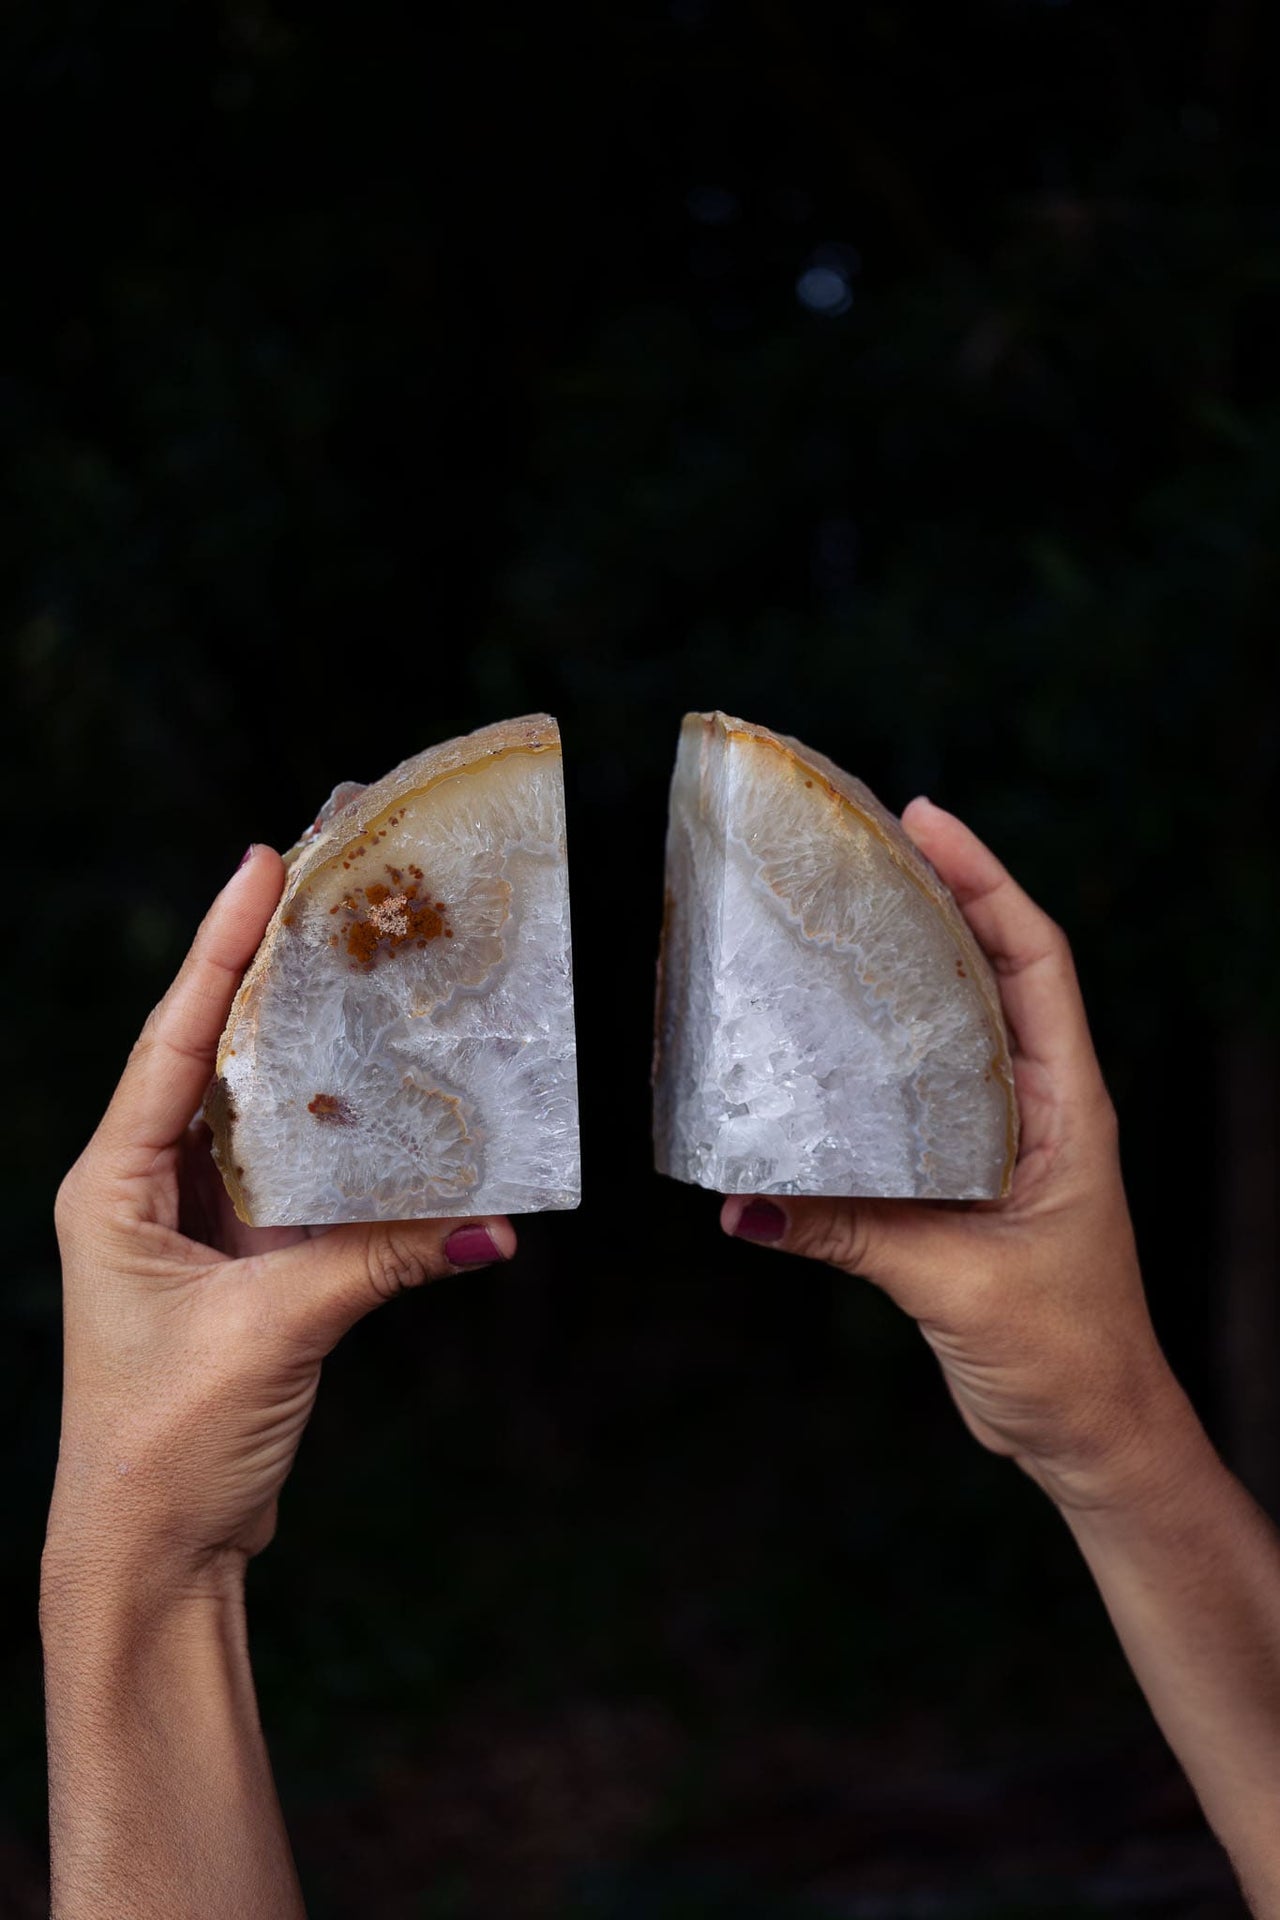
column 390, row 917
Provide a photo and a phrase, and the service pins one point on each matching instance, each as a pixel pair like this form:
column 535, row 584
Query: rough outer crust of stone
column 402, row 1046
column 826, row 1021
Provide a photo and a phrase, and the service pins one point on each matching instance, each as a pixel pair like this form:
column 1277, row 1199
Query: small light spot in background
column 826, row 285
column 712, row 206
column 824, row 290
column 689, row 13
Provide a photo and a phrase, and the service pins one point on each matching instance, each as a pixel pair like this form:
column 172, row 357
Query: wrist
column 112, row 1593
column 1135, row 1459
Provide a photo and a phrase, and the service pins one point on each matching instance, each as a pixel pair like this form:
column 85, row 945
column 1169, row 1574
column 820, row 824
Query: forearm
column 1189, row 1569
column 161, row 1800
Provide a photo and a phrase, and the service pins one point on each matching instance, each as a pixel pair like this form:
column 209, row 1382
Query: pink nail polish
column 471, row 1247
column 761, row 1221
column 248, row 854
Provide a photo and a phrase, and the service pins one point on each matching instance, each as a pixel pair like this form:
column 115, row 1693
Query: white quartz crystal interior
column 826, row 1022
column 403, row 1045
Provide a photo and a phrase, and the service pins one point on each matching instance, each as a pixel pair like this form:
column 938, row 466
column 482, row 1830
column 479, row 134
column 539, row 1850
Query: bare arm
column 1190, row 1573
column 161, row 1799
column 192, row 1351
column 1035, row 1309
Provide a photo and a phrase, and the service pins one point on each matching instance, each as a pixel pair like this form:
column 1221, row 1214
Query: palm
column 201, row 1207
column 249, row 1312
column 192, row 1203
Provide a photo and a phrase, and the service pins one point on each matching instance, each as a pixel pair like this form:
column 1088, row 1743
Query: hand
column 193, row 1343
column 1032, row 1304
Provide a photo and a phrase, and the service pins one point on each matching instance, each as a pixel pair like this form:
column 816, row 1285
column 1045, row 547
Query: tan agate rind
column 907, row 857
column 342, row 824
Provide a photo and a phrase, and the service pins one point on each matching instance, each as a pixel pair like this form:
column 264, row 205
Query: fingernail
column 248, row 854
column 471, row 1247
column 761, row 1221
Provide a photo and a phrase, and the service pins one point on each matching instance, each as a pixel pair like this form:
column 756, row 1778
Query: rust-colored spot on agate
column 386, row 918
column 331, row 1107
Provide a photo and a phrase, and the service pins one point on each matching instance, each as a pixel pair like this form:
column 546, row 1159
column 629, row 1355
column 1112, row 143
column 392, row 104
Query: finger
column 1038, row 986
column 321, row 1287
column 170, row 1066
column 914, row 1252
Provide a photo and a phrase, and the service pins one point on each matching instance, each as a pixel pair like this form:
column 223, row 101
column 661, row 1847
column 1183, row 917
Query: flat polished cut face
column 403, row 1045
column 826, row 1022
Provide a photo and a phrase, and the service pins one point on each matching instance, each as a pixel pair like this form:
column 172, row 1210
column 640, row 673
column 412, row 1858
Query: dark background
column 902, row 376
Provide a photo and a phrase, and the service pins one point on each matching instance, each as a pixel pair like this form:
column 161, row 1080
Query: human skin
column 1034, row 1307
column 192, row 1353
column 193, row 1348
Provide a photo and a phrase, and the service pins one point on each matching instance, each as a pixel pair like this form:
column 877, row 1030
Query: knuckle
column 394, row 1263
column 148, row 1033
column 1106, row 1121
column 151, row 1025
column 1056, row 938
column 68, row 1200
column 836, row 1236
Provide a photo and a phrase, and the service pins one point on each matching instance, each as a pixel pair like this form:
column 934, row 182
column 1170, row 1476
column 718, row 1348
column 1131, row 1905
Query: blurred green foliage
column 369, row 377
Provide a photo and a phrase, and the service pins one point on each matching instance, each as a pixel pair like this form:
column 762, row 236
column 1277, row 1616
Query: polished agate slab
column 402, row 1046
column 826, row 1021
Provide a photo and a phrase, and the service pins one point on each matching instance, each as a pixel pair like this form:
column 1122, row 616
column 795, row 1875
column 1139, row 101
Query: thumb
column 321, row 1287
column 899, row 1245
